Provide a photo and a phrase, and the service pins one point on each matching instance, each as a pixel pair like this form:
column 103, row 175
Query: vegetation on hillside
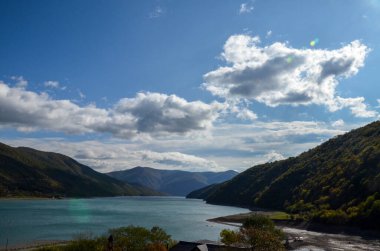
column 258, row 232
column 131, row 238
column 337, row 182
column 27, row 172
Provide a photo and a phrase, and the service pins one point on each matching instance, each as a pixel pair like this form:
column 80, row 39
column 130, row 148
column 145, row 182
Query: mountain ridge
column 172, row 182
column 26, row 172
column 336, row 182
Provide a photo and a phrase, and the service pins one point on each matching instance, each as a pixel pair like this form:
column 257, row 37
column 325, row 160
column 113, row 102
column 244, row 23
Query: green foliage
column 129, row 238
column 230, row 237
column 27, row 172
column 139, row 238
column 82, row 242
column 259, row 222
column 279, row 216
column 257, row 232
column 337, row 182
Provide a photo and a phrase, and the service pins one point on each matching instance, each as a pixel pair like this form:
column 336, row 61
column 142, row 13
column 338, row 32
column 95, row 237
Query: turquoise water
column 24, row 221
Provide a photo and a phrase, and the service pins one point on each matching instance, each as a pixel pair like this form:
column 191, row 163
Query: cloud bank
column 149, row 114
column 227, row 146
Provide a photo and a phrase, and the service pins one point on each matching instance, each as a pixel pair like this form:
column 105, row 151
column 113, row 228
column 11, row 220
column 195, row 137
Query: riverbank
column 34, row 245
column 313, row 236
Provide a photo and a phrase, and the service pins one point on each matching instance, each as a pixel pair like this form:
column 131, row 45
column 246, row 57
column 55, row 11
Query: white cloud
column 356, row 105
column 272, row 156
column 281, row 75
column 228, row 146
column 20, row 81
column 246, row 7
column 114, row 156
column 54, row 84
column 240, row 109
column 338, row 123
column 179, row 160
column 246, row 114
column 147, row 114
column 154, row 112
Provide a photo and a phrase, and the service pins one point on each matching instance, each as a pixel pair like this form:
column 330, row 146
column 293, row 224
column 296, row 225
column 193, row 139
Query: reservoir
column 25, row 221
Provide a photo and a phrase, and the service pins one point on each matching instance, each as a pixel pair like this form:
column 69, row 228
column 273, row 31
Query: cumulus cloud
column 246, row 7
column 146, row 114
column 154, row 112
column 281, row 75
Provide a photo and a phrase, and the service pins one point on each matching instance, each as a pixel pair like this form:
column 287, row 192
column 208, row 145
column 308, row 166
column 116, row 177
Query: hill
column 172, row 182
column 337, row 182
column 28, row 172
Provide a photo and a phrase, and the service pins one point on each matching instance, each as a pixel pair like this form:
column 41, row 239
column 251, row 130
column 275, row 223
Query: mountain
column 28, row 172
column 337, row 182
column 172, row 182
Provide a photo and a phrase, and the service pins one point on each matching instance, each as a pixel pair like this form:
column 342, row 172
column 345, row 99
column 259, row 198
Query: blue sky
column 193, row 85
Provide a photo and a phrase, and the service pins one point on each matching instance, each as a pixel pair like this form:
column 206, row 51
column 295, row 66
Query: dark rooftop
column 195, row 246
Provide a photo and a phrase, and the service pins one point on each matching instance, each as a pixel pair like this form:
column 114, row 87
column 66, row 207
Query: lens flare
column 289, row 59
column 314, row 42
column 79, row 210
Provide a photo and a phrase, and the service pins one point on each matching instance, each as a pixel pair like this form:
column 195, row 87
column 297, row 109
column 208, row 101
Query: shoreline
column 324, row 237
column 301, row 225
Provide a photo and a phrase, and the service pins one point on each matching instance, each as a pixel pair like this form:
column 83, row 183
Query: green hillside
column 28, row 172
column 337, row 182
column 172, row 182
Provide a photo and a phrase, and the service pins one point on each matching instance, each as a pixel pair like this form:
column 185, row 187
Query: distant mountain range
column 337, row 182
column 28, row 172
column 171, row 182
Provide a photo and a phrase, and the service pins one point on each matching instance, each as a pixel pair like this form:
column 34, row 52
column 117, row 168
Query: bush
column 131, row 238
column 257, row 232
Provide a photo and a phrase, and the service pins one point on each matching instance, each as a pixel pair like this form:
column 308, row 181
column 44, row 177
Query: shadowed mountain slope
column 29, row 172
column 336, row 182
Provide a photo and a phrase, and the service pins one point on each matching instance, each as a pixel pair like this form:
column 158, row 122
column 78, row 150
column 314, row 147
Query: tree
column 257, row 232
column 140, row 239
column 230, row 237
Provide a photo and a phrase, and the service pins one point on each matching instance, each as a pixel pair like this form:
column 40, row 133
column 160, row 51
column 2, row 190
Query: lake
column 24, row 221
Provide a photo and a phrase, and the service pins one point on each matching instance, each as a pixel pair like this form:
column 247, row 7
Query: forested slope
column 336, row 182
column 28, row 172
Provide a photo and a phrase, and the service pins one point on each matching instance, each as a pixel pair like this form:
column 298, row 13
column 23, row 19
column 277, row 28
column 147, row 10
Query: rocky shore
column 304, row 236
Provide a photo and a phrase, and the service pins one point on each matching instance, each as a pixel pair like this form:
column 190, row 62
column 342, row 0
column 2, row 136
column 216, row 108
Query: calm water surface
column 31, row 220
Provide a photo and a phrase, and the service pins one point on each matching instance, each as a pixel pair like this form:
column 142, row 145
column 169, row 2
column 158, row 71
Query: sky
column 192, row 85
